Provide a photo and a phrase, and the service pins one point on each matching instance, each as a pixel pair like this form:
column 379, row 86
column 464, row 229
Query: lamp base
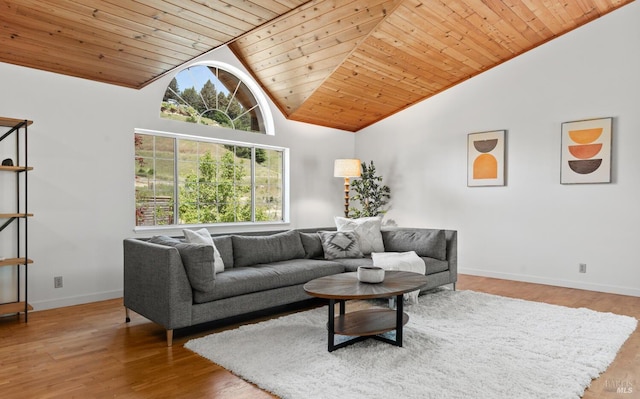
column 346, row 197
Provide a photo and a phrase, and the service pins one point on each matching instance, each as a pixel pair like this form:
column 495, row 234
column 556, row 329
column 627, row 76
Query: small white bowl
column 370, row 274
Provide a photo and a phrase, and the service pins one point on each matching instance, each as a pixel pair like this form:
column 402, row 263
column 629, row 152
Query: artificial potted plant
column 372, row 195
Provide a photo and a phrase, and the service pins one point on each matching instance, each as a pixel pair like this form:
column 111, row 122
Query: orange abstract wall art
column 485, row 158
column 586, row 151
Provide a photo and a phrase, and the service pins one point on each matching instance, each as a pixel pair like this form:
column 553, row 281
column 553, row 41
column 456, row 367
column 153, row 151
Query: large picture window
column 185, row 180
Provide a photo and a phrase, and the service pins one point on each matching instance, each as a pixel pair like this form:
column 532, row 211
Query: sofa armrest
column 155, row 284
column 452, row 253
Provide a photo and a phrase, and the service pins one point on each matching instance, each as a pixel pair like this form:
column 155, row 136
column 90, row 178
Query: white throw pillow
column 203, row 236
column 367, row 229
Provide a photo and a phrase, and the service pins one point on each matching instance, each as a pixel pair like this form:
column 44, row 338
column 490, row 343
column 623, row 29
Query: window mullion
column 253, row 184
column 176, row 182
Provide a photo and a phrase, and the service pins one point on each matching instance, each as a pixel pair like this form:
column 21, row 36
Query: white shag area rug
column 457, row 344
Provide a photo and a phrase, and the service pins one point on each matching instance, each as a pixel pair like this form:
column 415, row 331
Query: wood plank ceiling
column 341, row 64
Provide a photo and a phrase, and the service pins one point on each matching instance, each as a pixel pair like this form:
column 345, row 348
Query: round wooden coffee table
column 368, row 323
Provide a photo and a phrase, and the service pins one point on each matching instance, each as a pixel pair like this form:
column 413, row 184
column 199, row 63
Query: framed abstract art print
column 586, row 151
column 486, row 158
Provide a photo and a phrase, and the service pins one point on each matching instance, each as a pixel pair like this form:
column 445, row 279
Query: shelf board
column 15, row 168
column 14, row 307
column 14, row 261
column 15, row 215
column 11, row 122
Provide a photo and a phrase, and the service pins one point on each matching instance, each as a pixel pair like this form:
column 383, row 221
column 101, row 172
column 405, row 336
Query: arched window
column 217, row 94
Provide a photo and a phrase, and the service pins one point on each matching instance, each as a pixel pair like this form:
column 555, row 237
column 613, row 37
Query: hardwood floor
column 87, row 351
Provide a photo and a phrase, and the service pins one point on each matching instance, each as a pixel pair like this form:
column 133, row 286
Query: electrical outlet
column 57, row 282
column 583, row 268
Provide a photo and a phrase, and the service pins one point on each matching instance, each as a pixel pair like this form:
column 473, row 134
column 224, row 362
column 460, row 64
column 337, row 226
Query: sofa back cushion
column 203, row 236
column 312, row 245
column 164, row 240
column 225, row 247
column 431, row 243
column 197, row 260
column 253, row 250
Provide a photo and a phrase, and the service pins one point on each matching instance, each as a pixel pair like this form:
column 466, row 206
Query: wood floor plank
column 89, row 351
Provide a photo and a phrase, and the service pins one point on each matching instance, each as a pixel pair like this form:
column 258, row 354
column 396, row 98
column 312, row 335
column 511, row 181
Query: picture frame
column 486, row 158
column 586, row 151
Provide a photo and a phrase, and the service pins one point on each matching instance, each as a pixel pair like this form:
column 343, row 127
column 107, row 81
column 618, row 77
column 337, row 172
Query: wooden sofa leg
column 169, row 337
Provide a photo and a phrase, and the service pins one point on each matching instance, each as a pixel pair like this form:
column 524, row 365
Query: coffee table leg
column 331, row 323
column 399, row 315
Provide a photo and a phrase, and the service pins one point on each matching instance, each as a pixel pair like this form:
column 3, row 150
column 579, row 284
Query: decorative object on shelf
column 486, row 158
column 7, row 162
column 370, row 274
column 586, row 151
column 346, row 168
column 372, row 195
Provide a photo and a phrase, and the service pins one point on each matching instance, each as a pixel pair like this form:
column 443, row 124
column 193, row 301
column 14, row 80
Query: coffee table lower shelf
column 367, row 322
column 364, row 324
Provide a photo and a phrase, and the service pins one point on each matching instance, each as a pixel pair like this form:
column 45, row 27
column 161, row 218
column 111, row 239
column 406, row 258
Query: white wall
column 81, row 189
column 533, row 229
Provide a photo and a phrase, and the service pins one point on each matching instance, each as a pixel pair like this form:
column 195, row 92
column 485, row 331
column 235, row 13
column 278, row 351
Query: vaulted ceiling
column 342, row 64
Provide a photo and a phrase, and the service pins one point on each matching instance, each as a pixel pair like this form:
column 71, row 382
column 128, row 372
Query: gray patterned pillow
column 340, row 244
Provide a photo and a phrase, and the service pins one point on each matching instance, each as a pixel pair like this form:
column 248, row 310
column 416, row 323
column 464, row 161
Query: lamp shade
column 346, row 168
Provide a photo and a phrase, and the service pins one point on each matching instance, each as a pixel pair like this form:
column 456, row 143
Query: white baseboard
column 611, row 289
column 75, row 300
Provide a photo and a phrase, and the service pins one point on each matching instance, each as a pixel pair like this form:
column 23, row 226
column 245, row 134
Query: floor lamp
column 346, row 168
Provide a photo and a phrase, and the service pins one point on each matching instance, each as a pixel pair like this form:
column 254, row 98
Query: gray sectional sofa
column 170, row 282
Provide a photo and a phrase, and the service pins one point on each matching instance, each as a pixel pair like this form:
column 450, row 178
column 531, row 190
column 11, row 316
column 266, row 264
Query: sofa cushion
column 245, row 280
column 203, row 236
column 367, row 229
column 340, row 244
column 225, row 247
column 312, row 245
column 164, row 240
column 434, row 265
column 198, row 263
column 253, row 250
column 197, row 260
column 425, row 242
column 352, row 264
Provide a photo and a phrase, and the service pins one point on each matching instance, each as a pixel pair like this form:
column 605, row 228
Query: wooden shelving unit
column 10, row 127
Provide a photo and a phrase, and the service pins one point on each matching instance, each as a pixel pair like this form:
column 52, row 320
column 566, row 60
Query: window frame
column 181, row 136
